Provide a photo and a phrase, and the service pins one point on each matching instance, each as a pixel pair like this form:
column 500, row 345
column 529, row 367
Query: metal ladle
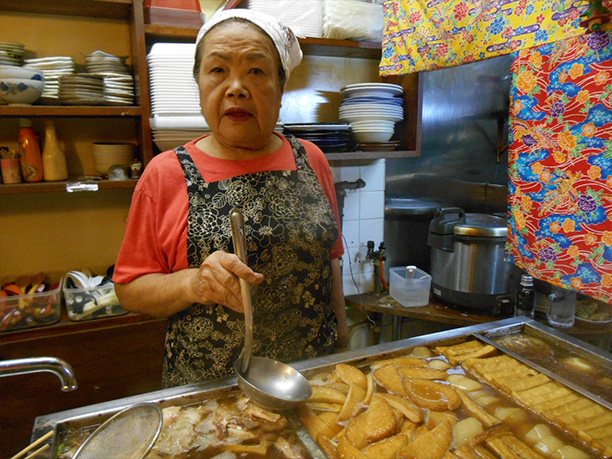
column 273, row 385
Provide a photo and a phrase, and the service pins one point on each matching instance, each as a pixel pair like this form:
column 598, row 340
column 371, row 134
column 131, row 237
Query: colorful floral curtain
column 430, row 34
column 560, row 164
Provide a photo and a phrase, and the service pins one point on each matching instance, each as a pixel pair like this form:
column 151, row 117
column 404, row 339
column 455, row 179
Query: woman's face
column 240, row 93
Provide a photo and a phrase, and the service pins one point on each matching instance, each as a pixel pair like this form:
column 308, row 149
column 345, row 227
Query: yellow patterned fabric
column 424, row 35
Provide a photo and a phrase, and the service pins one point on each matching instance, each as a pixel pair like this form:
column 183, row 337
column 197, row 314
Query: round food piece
column 465, row 430
column 432, row 395
column 538, row 432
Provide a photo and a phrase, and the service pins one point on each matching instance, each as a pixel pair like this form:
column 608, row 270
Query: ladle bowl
column 273, row 385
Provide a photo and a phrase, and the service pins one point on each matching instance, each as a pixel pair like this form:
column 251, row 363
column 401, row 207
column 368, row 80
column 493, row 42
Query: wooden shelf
column 369, row 155
column 71, row 110
column 45, row 187
column 113, row 9
column 310, row 46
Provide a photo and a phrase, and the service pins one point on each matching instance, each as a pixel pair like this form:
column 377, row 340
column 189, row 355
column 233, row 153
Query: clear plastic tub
column 30, row 310
column 409, row 292
column 92, row 303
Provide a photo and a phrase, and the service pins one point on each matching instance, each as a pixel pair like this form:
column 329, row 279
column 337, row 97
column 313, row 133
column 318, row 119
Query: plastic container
column 409, row 292
column 92, row 303
column 29, row 149
column 32, row 310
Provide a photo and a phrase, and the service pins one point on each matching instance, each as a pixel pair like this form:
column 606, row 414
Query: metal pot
column 467, row 261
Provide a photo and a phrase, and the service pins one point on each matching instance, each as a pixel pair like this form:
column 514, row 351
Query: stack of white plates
column 173, row 90
column 11, row 53
column 107, row 154
column 99, row 61
column 304, row 17
column 81, row 89
column 53, row 68
column 118, row 82
column 372, row 110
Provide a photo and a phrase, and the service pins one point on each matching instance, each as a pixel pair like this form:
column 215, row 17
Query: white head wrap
column 283, row 37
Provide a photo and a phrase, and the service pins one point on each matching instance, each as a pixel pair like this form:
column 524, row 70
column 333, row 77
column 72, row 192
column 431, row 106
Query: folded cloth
column 421, row 35
column 560, row 164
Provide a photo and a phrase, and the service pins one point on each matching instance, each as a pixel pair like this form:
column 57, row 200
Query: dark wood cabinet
column 112, row 358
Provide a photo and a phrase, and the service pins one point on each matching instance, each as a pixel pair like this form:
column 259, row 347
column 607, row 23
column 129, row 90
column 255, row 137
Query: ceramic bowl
column 20, row 90
column 26, row 73
column 373, row 136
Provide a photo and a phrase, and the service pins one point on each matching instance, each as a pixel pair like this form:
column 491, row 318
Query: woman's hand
column 216, row 280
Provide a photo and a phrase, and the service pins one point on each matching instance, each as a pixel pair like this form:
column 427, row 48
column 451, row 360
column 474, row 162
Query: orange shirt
column 156, row 235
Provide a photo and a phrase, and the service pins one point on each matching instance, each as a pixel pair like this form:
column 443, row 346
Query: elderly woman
column 177, row 257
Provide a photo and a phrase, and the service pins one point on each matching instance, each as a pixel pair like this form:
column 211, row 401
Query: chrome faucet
column 34, row 364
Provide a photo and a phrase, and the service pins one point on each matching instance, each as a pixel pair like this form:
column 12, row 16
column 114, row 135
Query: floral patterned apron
column 290, row 231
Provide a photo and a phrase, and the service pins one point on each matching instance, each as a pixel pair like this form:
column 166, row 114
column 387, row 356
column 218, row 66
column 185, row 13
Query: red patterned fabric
column 560, row 164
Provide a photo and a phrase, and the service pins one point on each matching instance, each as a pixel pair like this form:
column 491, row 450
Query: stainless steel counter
column 93, row 415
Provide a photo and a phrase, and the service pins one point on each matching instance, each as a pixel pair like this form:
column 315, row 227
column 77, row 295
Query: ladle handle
column 239, row 240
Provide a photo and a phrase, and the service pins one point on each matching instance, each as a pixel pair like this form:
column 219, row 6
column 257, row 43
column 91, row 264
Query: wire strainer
column 129, row 434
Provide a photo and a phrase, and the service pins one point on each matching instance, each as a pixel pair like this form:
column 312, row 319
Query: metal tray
column 94, row 415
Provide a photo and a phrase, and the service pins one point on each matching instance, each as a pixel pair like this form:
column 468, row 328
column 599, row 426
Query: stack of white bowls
column 305, row 17
column 108, row 154
column 372, row 109
column 176, row 116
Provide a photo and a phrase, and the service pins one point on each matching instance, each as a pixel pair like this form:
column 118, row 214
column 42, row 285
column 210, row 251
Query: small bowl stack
column 372, row 109
column 108, row 154
column 20, row 85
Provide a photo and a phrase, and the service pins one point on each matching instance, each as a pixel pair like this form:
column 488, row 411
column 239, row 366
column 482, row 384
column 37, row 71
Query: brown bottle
column 29, row 149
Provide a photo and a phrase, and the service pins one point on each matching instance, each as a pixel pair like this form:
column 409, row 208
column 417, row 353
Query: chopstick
column 38, row 451
column 33, row 445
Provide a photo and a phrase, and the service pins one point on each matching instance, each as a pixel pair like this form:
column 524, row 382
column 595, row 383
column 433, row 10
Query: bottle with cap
column 54, row 160
column 29, row 150
column 525, row 302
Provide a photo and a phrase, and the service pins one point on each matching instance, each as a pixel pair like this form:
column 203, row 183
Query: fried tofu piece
column 466, row 452
column 346, row 450
column 325, row 394
column 523, row 381
column 432, row 395
column 329, row 418
column 405, row 406
column 314, row 424
column 380, row 420
column 483, row 453
column 385, row 449
column 537, row 394
column 485, row 351
column 400, row 362
column 370, row 386
column 355, row 431
column 321, row 406
column 350, row 375
column 327, row 446
column 422, row 373
column 474, row 409
column 390, row 379
column 431, row 445
column 436, row 417
column 510, row 447
column 459, row 349
column 352, row 404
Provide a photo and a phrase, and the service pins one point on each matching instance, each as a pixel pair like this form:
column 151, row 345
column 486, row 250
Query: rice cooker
column 467, row 261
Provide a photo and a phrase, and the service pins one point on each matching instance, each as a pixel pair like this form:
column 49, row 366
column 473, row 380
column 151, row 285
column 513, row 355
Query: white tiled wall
column 363, row 221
